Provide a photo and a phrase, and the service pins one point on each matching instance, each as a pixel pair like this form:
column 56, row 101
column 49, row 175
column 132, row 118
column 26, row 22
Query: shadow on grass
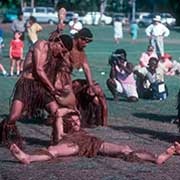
column 119, row 99
column 163, row 136
column 155, row 117
column 38, row 121
column 3, row 116
column 36, row 141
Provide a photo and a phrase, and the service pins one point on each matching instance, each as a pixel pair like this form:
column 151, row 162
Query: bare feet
column 177, row 146
column 19, row 154
column 166, row 155
column 171, row 150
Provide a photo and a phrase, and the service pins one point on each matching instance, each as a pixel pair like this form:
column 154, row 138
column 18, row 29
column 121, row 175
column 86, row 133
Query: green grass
column 98, row 52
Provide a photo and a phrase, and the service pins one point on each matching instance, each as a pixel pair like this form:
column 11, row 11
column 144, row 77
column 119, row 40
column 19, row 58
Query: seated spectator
column 121, row 79
column 172, row 67
column 150, row 81
column 145, row 56
column 166, row 64
column 176, row 68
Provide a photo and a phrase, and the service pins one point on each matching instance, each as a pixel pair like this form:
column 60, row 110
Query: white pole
column 133, row 10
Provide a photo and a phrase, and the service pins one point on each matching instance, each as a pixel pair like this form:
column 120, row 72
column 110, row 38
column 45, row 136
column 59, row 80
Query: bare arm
column 127, row 68
column 87, row 71
column 40, row 60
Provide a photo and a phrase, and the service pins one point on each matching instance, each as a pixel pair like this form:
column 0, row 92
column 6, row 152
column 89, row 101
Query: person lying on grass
column 78, row 142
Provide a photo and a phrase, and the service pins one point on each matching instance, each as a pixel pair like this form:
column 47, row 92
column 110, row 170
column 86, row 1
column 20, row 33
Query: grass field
column 98, row 52
column 144, row 124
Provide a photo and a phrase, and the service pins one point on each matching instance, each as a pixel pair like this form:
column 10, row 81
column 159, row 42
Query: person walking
column 134, row 31
column 19, row 25
column 32, row 29
column 118, row 30
column 156, row 33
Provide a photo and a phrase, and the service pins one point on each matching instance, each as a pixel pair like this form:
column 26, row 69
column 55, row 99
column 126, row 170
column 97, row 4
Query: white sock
column 4, row 72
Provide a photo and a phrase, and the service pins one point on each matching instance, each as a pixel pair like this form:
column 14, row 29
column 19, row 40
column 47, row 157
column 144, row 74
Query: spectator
column 118, row 30
column 150, row 81
column 176, row 68
column 33, row 28
column 19, row 25
column 156, row 33
column 145, row 56
column 121, row 80
column 75, row 25
column 166, row 64
column 134, row 31
column 16, row 53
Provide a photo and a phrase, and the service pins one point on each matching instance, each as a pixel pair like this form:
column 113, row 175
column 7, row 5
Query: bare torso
column 28, row 71
column 77, row 57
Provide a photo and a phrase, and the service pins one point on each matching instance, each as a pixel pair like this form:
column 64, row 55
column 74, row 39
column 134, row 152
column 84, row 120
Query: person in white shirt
column 156, row 33
column 75, row 25
column 118, row 30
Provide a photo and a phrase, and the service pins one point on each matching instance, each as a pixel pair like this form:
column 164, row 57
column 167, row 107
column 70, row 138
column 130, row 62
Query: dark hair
column 20, row 13
column 20, row 33
column 55, row 36
column 150, row 48
column 84, row 32
column 118, row 54
column 67, row 41
column 153, row 60
column 67, row 119
column 32, row 18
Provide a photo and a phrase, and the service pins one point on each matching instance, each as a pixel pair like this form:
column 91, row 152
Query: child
column 2, row 46
column 16, row 53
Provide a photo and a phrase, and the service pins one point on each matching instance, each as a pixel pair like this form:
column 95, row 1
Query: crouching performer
column 92, row 107
column 91, row 100
column 79, row 142
column 44, row 84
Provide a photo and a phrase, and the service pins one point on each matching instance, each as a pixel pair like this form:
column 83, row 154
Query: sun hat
column 157, row 18
column 166, row 56
column 75, row 16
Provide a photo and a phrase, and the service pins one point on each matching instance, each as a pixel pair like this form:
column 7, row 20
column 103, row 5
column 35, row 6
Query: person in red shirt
column 16, row 53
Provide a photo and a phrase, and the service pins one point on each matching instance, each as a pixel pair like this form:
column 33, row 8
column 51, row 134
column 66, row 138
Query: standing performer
column 38, row 87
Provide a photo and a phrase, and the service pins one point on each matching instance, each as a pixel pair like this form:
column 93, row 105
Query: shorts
column 128, row 90
column 16, row 58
